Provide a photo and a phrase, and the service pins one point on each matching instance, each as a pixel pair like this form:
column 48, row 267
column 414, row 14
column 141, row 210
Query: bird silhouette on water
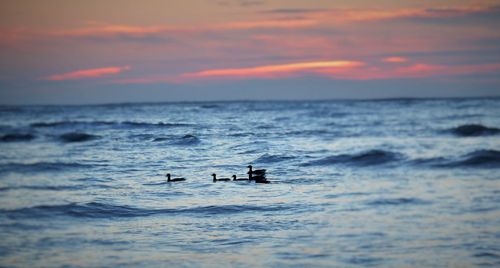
column 239, row 179
column 258, row 175
column 214, row 176
column 170, row 179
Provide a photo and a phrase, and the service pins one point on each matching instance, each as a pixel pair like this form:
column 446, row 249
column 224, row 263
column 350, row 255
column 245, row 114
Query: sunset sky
column 72, row 52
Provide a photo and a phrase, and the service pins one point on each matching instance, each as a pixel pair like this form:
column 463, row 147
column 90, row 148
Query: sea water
column 387, row 183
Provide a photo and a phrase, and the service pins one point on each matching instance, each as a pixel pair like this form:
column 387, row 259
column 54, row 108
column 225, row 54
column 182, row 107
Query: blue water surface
column 387, row 183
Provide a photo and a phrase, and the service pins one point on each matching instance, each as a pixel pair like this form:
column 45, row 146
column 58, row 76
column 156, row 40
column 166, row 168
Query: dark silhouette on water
column 257, row 172
column 238, row 179
column 258, row 175
column 221, row 179
column 169, row 179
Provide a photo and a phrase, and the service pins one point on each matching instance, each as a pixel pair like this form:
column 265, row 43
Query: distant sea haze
column 353, row 183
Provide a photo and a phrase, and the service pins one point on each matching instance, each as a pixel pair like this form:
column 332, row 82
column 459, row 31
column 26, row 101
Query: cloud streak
column 360, row 15
column 270, row 70
column 395, row 59
column 97, row 30
column 274, row 19
column 335, row 70
column 257, row 72
column 87, row 73
column 415, row 70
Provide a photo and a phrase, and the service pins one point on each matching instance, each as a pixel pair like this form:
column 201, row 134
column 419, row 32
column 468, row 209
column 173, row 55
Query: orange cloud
column 395, row 60
column 346, row 70
column 294, row 23
column 266, row 71
column 270, row 70
column 109, row 30
column 88, row 73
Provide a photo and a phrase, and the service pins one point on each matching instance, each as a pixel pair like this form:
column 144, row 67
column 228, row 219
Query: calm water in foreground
column 413, row 183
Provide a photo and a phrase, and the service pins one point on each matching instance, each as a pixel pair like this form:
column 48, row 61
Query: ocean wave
column 14, row 137
column 474, row 130
column 105, row 123
column 186, row 140
column 480, row 158
column 161, row 139
column 313, row 132
column 160, row 124
column 210, row 106
column 241, row 134
column 40, row 166
column 332, row 196
column 486, row 254
column 325, row 113
column 70, row 124
column 366, row 158
column 476, row 159
column 101, row 210
column 40, row 187
column 156, row 183
column 267, row 158
column 141, row 137
column 54, row 187
column 396, row 201
column 92, row 179
column 77, row 137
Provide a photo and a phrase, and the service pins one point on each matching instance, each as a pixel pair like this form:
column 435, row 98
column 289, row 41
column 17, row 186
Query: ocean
column 381, row 183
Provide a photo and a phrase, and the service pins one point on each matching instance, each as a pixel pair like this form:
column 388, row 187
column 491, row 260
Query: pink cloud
column 311, row 19
column 420, row 70
column 111, row 30
column 345, row 70
column 270, row 70
column 88, row 73
column 261, row 72
column 395, row 59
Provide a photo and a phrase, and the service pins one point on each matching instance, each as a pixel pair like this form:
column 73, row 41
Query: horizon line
column 257, row 100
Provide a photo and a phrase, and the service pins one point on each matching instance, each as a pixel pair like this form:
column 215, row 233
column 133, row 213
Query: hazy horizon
column 458, row 98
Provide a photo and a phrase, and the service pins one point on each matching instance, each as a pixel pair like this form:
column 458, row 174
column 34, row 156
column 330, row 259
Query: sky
column 116, row 51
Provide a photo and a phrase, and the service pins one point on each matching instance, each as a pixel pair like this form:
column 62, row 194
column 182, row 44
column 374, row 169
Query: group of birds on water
column 257, row 175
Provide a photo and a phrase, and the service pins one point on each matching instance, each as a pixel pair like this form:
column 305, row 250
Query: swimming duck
column 221, row 179
column 238, row 179
column 169, row 179
column 256, row 172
